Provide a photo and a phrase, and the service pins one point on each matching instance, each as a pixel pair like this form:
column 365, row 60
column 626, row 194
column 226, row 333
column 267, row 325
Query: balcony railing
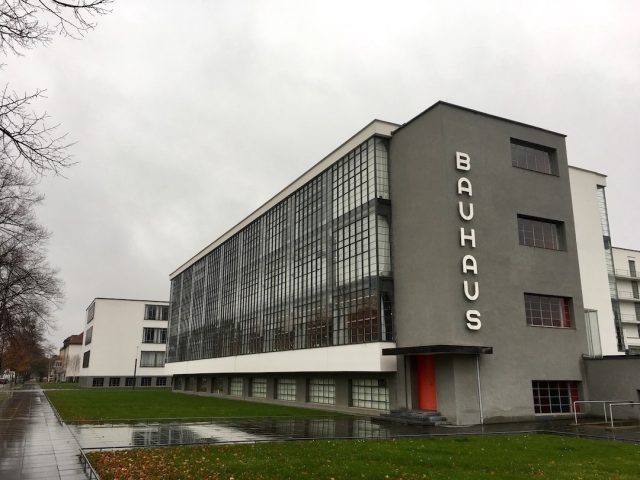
column 627, row 273
column 628, row 295
column 629, row 318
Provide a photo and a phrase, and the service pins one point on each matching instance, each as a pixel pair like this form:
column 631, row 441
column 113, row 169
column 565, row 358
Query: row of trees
column 30, row 146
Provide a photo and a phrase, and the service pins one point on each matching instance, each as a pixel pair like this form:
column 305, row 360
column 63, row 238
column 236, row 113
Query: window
column 114, row 382
column 145, row 382
column 634, row 289
column 259, row 387
column 235, row 387
column 88, row 336
column 533, row 157
column 286, row 389
column 98, row 382
column 85, row 359
column 152, row 359
column 154, row 335
column 91, row 311
column 156, row 312
column 547, row 311
column 217, row 386
column 202, row 384
column 370, row 393
column 161, row 382
column 129, row 382
column 632, row 268
column 322, row 390
column 554, row 396
column 539, row 233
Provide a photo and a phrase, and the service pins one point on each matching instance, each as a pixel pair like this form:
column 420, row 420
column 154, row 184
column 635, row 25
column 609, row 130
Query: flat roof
column 127, row 300
column 626, row 249
column 373, row 128
column 478, row 112
column 573, row 167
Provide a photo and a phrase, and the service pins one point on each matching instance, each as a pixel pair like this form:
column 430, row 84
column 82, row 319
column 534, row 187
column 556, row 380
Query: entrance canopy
column 438, row 349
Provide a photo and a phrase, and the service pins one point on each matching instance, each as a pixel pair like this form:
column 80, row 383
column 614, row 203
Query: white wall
column 366, row 357
column 117, row 339
column 73, row 360
column 591, row 253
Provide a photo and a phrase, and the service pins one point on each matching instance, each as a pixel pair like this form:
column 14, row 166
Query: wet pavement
column 33, row 445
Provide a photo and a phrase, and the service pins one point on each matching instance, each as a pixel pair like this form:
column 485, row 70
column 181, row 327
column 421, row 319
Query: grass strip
column 472, row 458
column 58, row 386
column 108, row 404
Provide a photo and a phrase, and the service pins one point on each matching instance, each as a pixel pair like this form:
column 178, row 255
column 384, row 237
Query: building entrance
column 426, row 382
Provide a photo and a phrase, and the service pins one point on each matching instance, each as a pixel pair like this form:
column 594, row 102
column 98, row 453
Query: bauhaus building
column 424, row 266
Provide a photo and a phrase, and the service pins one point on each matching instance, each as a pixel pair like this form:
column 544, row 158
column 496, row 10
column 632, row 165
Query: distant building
column 426, row 266
column 124, row 343
column 627, row 277
column 70, row 357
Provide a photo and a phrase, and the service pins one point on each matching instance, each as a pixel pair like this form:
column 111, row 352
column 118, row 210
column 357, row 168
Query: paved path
column 33, row 445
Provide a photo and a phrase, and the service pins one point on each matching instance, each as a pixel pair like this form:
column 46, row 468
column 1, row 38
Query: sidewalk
column 33, row 445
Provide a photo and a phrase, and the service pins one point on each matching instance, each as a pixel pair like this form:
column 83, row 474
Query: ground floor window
column 145, row 382
column 114, row 382
column 190, row 384
column 370, row 393
column 217, row 385
column 130, row 382
column 235, row 387
column 98, row 382
column 322, row 390
column 177, row 383
column 161, row 382
column 203, row 384
column 554, row 396
column 259, row 387
column 286, row 389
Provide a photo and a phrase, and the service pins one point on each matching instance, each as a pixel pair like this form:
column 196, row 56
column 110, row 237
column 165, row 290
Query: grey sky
column 189, row 115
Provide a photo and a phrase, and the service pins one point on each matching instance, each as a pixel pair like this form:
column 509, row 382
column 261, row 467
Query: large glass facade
column 313, row 271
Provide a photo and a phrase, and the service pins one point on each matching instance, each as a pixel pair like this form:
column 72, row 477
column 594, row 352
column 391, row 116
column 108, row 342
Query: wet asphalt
column 34, row 445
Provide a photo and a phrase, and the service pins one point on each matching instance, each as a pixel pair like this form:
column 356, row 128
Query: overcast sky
column 189, row 118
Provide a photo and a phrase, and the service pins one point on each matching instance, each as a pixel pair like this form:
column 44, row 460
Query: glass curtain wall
column 313, row 271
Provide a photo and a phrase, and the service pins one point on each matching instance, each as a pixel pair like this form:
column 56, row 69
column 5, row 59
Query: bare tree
column 28, row 23
column 29, row 288
column 27, row 138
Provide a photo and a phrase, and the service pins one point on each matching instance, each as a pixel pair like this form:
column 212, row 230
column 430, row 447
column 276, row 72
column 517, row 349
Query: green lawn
column 65, row 386
column 110, row 404
column 537, row 456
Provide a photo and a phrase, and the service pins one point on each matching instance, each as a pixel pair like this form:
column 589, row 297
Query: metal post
column 479, row 389
column 135, row 367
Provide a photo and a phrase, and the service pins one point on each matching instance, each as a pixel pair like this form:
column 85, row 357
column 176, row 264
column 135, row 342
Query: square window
column 540, row 233
column 114, row 382
column 97, row 382
column 547, row 311
column 533, row 157
column 145, row 382
column 129, row 382
column 554, row 396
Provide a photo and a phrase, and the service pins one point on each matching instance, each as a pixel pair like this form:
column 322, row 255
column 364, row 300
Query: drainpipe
column 479, row 389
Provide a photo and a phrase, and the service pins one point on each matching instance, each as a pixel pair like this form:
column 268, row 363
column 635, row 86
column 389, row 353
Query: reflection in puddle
column 94, row 436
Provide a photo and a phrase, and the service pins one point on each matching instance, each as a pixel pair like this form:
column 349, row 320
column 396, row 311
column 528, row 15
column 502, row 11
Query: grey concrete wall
column 428, row 281
column 614, row 378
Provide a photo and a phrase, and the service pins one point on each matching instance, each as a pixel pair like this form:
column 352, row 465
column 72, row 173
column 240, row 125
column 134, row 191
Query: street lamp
column 135, row 368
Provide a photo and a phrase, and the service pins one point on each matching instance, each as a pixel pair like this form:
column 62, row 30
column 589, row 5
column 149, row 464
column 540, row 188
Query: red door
column 426, row 373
